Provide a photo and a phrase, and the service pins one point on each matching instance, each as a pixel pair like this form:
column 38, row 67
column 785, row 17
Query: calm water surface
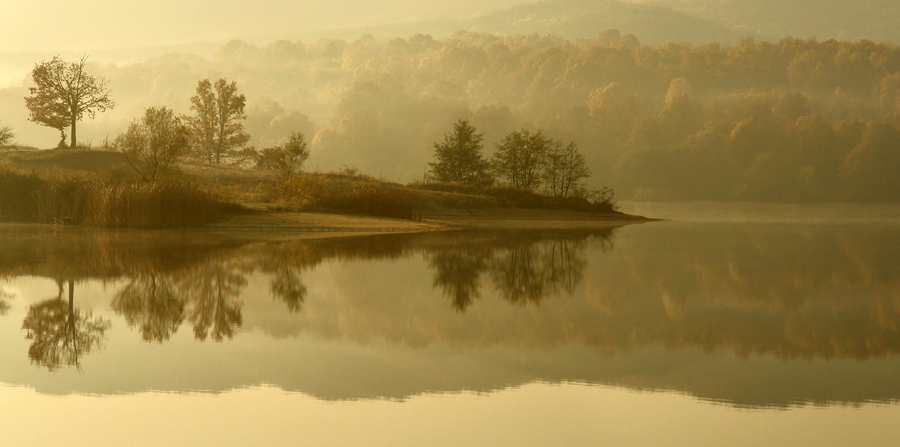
column 720, row 331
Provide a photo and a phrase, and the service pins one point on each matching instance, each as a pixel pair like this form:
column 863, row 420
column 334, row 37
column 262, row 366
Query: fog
column 735, row 111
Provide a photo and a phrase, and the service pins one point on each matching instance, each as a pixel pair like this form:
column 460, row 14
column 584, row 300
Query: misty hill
column 585, row 18
column 571, row 19
column 825, row 19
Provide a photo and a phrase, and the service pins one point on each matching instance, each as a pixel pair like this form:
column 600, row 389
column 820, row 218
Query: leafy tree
column 288, row 159
column 151, row 145
column 564, row 169
column 6, row 135
column 459, row 157
column 520, row 157
column 216, row 130
column 64, row 93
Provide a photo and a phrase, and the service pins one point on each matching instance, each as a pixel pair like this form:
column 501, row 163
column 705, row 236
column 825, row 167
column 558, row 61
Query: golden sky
column 62, row 25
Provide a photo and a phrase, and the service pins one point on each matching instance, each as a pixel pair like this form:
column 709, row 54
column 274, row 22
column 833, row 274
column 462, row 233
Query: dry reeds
column 103, row 202
column 348, row 194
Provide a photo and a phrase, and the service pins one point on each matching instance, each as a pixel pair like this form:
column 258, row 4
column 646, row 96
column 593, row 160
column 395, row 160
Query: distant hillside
column 573, row 19
column 570, row 19
column 826, row 19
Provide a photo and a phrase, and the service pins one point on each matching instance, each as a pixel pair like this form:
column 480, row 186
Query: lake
column 727, row 325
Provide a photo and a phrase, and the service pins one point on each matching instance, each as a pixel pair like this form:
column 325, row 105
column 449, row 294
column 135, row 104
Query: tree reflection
column 60, row 333
column 525, row 271
column 287, row 286
column 458, row 274
column 213, row 292
column 5, row 297
column 517, row 275
column 152, row 302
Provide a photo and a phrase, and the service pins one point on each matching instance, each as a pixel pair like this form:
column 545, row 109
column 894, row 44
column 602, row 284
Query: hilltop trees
column 216, row 129
column 151, row 145
column 64, row 93
column 459, row 157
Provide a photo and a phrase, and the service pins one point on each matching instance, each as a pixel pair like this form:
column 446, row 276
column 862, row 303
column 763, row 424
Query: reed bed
column 105, row 202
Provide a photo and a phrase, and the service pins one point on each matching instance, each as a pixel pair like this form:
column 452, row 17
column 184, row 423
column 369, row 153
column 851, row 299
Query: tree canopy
column 520, row 157
column 64, row 93
column 459, row 157
column 216, row 128
column 151, row 144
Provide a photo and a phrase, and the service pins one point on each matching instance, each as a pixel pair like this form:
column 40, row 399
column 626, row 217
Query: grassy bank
column 104, row 201
column 347, row 194
column 95, row 187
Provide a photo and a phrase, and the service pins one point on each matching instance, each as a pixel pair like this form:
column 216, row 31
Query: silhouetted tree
column 459, row 157
column 519, row 158
column 64, row 93
column 564, row 169
column 60, row 333
column 216, row 129
column 151, row 145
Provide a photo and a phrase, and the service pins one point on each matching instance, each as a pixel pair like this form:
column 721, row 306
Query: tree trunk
column 72, row 145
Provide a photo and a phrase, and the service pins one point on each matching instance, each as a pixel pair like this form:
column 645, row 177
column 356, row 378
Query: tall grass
column 63, row 199
column 348, row 194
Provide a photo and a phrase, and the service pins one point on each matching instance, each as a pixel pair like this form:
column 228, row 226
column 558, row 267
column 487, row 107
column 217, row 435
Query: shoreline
column 284, row 225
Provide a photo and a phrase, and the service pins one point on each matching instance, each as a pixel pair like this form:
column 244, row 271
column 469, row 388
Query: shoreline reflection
column 741, row 314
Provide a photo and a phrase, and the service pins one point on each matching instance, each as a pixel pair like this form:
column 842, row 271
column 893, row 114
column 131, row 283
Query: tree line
column 525, row 160
column 795, row 119
column 64, row 93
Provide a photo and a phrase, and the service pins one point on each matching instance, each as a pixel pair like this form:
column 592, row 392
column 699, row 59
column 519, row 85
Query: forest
column 790, row 120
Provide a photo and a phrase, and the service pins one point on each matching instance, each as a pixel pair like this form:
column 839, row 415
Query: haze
column 787, row 114
column 104, row 24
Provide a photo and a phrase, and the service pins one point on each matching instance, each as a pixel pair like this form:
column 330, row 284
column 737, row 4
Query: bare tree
column 64, row 93
column 564, row 169
column 151, row 145
column 216, row 130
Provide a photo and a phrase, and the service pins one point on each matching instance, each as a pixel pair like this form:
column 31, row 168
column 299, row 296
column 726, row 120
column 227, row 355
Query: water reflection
column 61, row 333
column 524, row 271
column 5, row 298
column 701, row 309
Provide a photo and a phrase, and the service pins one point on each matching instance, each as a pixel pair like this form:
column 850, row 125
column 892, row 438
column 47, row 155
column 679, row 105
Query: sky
column 130, row 31
column 63, row 25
